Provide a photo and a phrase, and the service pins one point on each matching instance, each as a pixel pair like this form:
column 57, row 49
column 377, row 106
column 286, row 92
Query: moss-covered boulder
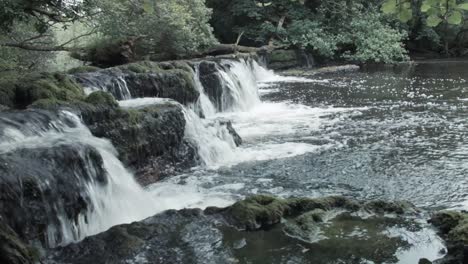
column 83, row 69
column 150, row 140
column 283, row 59
column 172, row 80
column 262, row 211
column 47, row 86
column 453, row 227
column 22, row 91
column 101, row 98
column 335, row 235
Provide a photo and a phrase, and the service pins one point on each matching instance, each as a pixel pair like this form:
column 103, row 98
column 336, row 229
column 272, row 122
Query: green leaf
column 433, row 21
column 389, row 7
column 463, row 6
column 147, row 6
column 405, row 15
column 455, row 18
column 425, row 7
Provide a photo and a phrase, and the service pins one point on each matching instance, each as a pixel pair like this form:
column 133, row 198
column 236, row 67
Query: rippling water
column 391, row 134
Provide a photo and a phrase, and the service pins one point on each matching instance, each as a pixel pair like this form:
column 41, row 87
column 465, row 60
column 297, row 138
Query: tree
column 328, row 29
column 446, row 15
column 41, row 17
column 163, row 29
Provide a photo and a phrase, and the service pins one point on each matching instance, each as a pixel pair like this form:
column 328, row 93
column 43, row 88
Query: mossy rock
column 446, row 221
column 101, row 98
column 282, row 56
column 142, row 67
column 8, row 89
column 453, row 227
column 459, row 234
column 84, row 69
column 382, row 207
column 76, row 106
column 258, row 211
column 46, row 86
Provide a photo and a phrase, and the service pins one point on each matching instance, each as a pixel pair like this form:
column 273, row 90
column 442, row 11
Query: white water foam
column 120, row 201
column 203, row 105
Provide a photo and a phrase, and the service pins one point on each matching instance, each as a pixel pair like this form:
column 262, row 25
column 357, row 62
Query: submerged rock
column 343, row 231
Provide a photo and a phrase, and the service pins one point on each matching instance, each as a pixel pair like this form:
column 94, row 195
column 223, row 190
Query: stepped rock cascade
column 112, row 82
column 212, row 138
column 54, row 204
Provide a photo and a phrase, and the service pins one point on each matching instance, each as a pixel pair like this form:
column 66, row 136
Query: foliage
column 171, row 27
column 311, row 34
column 446, row 17
column 42, row 13
column 13, row 59
column 437, row 11
column 374, row 41
column 330, row 29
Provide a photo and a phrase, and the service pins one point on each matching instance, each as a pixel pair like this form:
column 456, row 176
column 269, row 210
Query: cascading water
column 112, row 82
column 211, row 138
column 239, row 85
column 113, row 198
column 203, row 106
column 114, row 203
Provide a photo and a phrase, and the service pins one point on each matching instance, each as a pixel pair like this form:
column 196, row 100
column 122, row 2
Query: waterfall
column 106, row 80
column 112, row 197
column 203, row 107
column 239, row 84
column 211, row 137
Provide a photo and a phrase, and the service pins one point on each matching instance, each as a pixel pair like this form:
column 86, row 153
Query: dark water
column 394, row 134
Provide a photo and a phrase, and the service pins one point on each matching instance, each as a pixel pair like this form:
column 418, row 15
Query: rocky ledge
column 307, row 72
column 265, row 229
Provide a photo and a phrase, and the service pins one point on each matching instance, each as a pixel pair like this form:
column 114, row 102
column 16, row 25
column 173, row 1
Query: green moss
column 460, row 232
column 149, row 66
column 46, row 86
column 389, row 207
column 133, row 116
column 101, row 98
column 142, row 67
column 282, row 56
column 84, row 69
column 263, row 210
column 258, row 211
column 300, row 205
column 445, row 221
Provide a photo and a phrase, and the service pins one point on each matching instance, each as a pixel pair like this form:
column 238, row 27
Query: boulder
column 172, row 80
column 40, row 187
column 13, row 250
column 149, row 140
column 453, row 227
column 278, row 229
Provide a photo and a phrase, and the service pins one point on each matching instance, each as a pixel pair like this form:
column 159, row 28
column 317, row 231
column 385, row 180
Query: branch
column 78, row 37
column 35, row 48
column 62, row 47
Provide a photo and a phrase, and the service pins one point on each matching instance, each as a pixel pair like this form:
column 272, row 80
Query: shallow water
column 394, row 134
